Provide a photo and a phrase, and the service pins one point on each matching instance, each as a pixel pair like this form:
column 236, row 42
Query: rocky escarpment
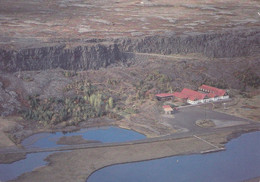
column 76, row 58
column 97, row 55
column 218, row 45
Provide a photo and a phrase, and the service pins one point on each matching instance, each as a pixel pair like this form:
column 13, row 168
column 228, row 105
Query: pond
column 46, row 140
column 104, row 135
column 239, row 162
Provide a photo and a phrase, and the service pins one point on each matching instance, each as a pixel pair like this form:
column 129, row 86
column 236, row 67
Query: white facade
column 212, row 99
column 207, row 100
column 212, row 93
column 223, row 97
column 193, row 102
column 220, row 98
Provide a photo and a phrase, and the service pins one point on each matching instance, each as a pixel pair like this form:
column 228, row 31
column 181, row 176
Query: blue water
column 239, row 162
column 104, row 134
column 45, row 140
column 13, row 170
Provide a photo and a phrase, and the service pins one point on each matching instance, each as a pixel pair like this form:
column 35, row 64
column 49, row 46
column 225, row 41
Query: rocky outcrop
column 8, row 101
column 99, row 54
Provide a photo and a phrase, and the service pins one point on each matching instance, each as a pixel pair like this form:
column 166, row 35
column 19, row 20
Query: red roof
column 164, row 95
column 189, row 94
column 211, row 95
column 193, row 95
column 217, row 91
column 193, row 98
column 180, row 95
column 166, row 106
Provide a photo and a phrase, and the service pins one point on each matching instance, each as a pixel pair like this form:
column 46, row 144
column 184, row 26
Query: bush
column 69, row 73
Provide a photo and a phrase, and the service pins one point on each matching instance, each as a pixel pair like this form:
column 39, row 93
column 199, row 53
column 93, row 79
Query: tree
column 110, row 102
column 92, row 99
column 86, row 98
column 107, row 107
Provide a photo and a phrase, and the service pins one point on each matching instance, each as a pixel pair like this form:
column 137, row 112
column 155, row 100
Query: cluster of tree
column 248, row 78
column 89, row 104
column 216, row 83
column 113, row 81
column 160, row 82
column 82, row 87
column 69, row 73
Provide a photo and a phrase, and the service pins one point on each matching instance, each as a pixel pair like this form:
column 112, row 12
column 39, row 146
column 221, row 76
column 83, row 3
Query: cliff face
column 95, row 56
column 79, row 58
column 226, row 44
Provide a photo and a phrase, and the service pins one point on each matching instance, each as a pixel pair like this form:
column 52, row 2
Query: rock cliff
column 223, row 44
column 97, row 55
column 77, row 58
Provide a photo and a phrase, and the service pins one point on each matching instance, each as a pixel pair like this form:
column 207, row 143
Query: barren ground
column 30, row 23
column 243, row 107
column 6, row 125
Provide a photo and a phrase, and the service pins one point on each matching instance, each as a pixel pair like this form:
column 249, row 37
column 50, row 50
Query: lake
column 48, row 140
column 240, row 161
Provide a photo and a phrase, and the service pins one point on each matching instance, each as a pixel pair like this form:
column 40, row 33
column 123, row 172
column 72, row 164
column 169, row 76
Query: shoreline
column 93, row 159
column 233, row 135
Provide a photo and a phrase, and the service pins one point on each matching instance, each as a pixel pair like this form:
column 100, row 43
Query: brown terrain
column 129, row 51
column 30, row 22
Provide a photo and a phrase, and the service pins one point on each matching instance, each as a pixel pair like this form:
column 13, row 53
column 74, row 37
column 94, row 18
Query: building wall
column 207, row 100
column 224, row 97
column 195, row 101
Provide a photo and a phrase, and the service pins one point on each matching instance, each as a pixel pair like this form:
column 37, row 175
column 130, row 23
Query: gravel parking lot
column 185, row 119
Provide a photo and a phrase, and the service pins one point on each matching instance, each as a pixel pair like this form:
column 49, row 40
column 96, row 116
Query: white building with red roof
column 206, row 94
column 193, row 97
column 214, row 93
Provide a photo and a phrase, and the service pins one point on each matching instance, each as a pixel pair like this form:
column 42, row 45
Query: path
column 216, row 147
column 171, row 56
